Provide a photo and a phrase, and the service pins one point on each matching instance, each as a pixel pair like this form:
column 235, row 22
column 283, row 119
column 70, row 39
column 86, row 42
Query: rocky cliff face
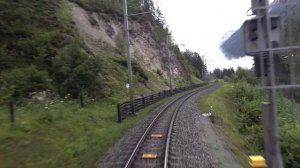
column 98, row 29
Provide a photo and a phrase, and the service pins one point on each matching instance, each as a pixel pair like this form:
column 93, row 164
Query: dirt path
column 222, row 156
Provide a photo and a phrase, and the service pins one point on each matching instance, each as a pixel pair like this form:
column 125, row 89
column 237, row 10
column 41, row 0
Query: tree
column 20, row 82
column 77, row 72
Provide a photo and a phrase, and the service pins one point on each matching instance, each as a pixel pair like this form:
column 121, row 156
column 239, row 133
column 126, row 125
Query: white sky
column 201, row 24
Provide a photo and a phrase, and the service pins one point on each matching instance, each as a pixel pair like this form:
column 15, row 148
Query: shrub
column 247, row 102
column 76, row 72
column 158, row 71
column 19, row 82
column 226, row 79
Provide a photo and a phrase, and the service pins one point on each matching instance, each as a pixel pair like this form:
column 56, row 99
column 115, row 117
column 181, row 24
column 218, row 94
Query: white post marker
column 127, row 86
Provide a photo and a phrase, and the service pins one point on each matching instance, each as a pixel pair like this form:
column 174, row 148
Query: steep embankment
column 67, row 49
column 100, row 29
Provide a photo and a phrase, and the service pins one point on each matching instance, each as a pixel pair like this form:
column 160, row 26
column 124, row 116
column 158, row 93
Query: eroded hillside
column 69, row 48
column 104, row 29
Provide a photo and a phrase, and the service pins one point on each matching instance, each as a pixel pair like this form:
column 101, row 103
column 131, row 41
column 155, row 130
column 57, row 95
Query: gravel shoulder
column 221, row 154
column 198, row 142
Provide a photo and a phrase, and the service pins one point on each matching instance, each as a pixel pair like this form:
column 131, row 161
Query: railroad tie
column 149, row 156
column 156, row 136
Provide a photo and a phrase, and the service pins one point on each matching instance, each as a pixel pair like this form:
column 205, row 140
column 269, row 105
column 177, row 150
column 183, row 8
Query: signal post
column 264, row 39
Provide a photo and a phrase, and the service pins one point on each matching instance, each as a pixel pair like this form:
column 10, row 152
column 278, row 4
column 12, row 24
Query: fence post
column 152, row 98
column 143, row 100
column 119, row 113
column 12, row 111
column 133, row 110
column 81, row 100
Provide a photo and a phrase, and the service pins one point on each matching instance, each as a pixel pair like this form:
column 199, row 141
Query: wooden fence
column 125, row 108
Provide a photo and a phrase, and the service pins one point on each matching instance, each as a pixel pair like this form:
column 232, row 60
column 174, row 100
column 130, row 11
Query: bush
column 247, row 102
column 76, row 72
column 226, row 79
column 19, row 82
column 290, row 139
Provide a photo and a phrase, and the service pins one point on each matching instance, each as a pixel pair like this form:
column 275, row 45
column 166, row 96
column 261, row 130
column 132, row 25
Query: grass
column 61, row 134
column 224, row 120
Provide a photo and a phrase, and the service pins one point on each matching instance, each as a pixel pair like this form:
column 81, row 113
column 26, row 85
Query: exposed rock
column 104, row 28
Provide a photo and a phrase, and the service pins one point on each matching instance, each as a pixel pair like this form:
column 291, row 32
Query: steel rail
column 134, row 152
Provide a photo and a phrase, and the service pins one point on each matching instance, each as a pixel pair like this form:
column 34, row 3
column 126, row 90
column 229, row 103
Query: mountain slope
column 71, row 48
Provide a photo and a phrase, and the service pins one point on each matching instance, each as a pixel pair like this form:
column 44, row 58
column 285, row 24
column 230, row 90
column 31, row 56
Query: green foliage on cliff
column 38, row 38
column 111, row 6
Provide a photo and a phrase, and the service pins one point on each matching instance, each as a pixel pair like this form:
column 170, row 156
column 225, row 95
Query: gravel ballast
column 194, row 142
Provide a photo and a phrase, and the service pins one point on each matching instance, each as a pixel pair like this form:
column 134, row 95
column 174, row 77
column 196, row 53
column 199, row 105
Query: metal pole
column 262, row 69
column 266, row 113
column 169, row 64
column 126, row 27
column 290, row 56
column 276, row 160
column 203, row 68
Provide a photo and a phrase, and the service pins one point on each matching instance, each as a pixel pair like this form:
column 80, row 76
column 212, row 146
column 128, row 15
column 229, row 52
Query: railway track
column 152, row 148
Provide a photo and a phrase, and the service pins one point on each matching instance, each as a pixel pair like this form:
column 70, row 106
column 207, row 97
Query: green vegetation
column 58, row 133
column 238, row 119
column 112, row 6
column 40, row 48
column 40, row 35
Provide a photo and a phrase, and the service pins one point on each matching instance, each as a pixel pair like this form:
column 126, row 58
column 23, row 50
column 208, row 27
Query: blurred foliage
column 111, row 6
column 247, row 102
column 222, row 73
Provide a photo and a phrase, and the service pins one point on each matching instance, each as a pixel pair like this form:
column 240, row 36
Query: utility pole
column 169, row 64
column 127, row 48
column 203, row 68
column 275, row 153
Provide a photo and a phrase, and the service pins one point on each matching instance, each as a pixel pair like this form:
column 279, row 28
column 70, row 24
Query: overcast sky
column 201, row 24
